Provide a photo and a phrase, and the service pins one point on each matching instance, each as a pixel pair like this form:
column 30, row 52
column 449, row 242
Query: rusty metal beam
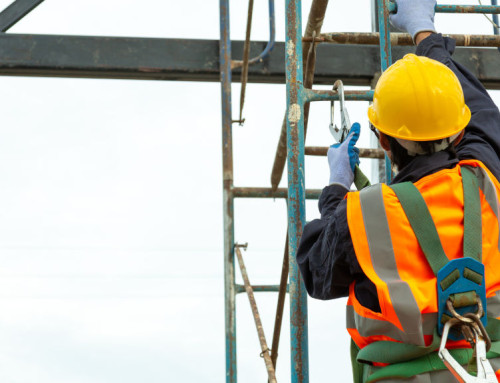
column 15, row 12
column 256, row 192
column 363, row 152
column 401, row 39
column 224, row 60
column 198, row 60
column 260, row 288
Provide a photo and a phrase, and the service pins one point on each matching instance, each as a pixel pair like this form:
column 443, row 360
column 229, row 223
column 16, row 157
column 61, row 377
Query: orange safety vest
column 390, row 256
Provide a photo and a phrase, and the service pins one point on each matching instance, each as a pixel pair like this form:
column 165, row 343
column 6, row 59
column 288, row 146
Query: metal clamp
column 243, row 246
column 267, row 350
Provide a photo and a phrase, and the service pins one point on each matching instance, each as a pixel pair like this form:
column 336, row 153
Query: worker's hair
column 401, row 158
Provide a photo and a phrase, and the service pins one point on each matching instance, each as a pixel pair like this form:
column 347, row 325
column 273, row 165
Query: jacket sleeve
column 482, row 135
column 326, row 255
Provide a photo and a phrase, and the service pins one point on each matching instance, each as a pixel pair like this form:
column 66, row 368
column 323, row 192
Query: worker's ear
column 459, row 138
column 384, row 142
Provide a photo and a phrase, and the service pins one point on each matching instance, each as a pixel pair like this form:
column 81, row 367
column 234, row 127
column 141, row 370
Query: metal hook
column 339, row 134
column 466, row 318
column 485, row 372
column 475, row 333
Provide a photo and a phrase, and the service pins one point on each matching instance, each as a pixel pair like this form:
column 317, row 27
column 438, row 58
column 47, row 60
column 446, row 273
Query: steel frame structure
column 196, row 60
column 300, row 65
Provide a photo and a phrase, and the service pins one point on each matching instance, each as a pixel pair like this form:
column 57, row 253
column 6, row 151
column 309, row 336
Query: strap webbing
column 422, row 224
column 493, row 329
column 407, row 360
column 357, row 367
column 360, row 179
column 473, row 244
column 428, row 363
column 385, row 351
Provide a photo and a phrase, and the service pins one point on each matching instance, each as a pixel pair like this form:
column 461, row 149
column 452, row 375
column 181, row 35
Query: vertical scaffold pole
column 296, row 189
column 228, row 198
column 496, row 30
column 385, row 58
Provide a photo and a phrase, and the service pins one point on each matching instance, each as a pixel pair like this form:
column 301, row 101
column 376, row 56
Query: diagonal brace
column 15, row 12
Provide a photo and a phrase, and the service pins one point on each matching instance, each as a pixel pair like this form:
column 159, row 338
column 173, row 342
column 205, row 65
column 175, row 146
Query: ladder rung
column 363, row 152
column 401, row 39
column 259, row 288
column 328, row 95
column 239, row 192
column 457, row 8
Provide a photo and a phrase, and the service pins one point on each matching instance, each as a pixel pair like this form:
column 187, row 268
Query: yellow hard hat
column 419, row 99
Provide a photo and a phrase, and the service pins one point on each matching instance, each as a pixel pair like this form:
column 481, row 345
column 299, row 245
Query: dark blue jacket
column 326, row 255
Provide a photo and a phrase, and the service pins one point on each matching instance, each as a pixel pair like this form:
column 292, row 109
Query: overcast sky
column 111, row 217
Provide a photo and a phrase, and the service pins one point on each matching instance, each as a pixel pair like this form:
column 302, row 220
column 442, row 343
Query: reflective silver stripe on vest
column 495, row 363
column 493, row 305
column 384, row 263
column 372, row 327
column 489, row 191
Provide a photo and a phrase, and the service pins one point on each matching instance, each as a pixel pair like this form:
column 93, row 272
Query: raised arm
column 482, row 135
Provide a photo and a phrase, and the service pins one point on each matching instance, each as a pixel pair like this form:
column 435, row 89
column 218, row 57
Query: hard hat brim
column 460, row 125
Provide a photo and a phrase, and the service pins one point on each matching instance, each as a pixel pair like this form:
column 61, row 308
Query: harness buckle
column 461, row 289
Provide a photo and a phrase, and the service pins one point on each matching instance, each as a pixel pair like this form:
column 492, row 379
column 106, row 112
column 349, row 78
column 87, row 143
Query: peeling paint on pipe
column 239, row 192
column 402, row 39
column 228, row 199
column 296, row 192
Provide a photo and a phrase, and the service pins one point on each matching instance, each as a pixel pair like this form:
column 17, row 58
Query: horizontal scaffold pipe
column 363, row 152
column 241, row 192
column 457, row 8
column 328, row 95
column 402, row 39
column 259, row 289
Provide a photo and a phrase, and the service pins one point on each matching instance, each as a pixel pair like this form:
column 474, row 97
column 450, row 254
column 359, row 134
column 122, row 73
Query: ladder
column 291, row 147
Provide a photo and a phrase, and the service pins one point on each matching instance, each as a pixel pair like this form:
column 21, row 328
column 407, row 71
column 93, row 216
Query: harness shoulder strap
column 425, row 231
column 473, row 243
column 423, row 226
column 421, row 222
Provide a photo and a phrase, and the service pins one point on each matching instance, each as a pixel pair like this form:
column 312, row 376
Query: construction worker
column 441, row 131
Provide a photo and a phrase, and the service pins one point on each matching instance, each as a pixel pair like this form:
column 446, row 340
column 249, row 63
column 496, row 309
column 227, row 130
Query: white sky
column 111, row 216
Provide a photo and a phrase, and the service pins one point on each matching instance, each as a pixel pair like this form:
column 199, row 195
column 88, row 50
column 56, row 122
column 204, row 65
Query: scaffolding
column 300, row 52
column 105, row 57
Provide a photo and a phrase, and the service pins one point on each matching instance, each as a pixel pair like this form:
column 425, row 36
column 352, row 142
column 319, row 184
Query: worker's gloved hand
column 414, row 16
column 343, row 157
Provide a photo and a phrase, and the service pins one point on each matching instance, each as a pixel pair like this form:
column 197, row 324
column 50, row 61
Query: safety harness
column 461, row 292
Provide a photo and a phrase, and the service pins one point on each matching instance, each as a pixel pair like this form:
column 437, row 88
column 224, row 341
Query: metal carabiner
column 485, row 372
column 479, row 329
column 340, row 134
column 465, row 319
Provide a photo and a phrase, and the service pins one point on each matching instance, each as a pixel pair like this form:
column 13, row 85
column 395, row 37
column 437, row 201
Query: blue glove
column 343, row 157
column 414, row 16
